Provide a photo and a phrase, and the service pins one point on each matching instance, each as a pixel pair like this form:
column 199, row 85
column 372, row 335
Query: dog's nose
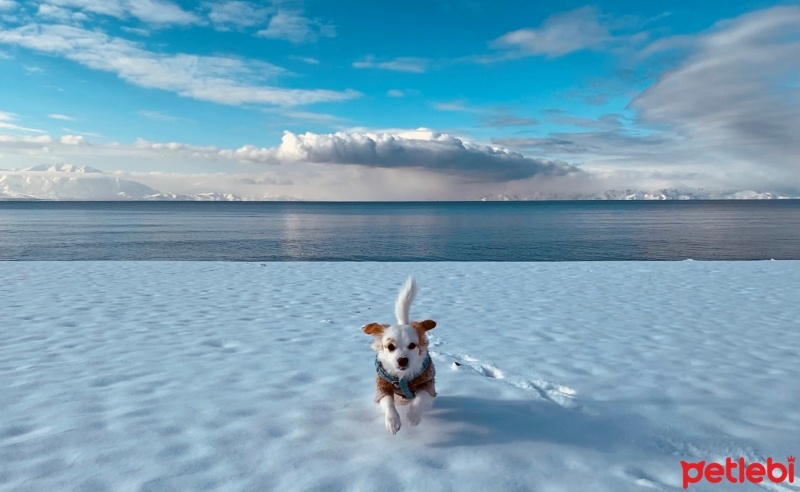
column 403, row 361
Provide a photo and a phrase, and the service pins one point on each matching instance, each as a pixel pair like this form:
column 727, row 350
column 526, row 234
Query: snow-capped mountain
column 219, row 197
column 63, row 168
column 65, row 181
column 68, row 182
column 71, row 182
column 663, row 194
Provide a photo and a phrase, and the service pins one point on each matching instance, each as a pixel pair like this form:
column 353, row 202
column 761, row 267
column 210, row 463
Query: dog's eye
column 390, row 347
column 412, row 346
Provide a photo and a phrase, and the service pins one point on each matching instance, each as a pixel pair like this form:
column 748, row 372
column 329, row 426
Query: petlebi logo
column 738, row 471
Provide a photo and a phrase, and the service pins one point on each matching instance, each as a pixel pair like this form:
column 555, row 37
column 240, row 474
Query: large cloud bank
column 436, row 152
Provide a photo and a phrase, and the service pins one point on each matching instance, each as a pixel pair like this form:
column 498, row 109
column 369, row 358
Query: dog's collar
column 401, row 383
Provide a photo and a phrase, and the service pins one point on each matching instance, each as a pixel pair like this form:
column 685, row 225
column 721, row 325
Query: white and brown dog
column 405, row 369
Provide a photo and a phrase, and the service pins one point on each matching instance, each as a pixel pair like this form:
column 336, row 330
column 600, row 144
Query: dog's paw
column 414, row 416
column 393, row 423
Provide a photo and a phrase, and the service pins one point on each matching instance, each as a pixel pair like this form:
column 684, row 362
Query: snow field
column 138, row 376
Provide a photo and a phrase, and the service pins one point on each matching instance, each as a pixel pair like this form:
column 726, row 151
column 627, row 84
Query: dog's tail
column 404, row 300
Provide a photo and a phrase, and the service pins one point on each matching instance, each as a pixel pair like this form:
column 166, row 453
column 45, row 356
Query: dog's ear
column 426, row 325
column 374, row 329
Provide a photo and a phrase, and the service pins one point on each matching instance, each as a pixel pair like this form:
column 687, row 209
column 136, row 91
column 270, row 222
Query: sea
column 401, row 231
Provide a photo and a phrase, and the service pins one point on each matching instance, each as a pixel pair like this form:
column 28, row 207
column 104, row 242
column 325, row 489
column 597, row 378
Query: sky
column 416, row 100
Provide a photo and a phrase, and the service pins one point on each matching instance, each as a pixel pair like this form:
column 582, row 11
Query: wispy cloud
column 296, row 28
column 736, row 97
column 150, row 11
column 236, row 14
column 7, row 5
column 726, row 114
column 308, row 116
column 6, row 122
column 306, row 59
column 52, row 12
column 159, row 116
column 224, row 80
column 61, row 117
column 489, row 117
column 401, row 64
column 395, row 93
column 501, row 120
column 85, row 134
column 560, row 34
column 459, row 106
column 136, row 30
column 23, row 141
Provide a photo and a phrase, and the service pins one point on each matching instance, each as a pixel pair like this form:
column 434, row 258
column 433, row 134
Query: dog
column 405, row 371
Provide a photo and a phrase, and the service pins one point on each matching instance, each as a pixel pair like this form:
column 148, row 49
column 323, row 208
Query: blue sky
column 405, row 100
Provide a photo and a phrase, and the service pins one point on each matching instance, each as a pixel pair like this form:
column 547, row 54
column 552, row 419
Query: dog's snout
column 403, row 361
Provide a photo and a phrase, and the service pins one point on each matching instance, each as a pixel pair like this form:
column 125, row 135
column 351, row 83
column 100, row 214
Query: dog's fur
column 402, row 349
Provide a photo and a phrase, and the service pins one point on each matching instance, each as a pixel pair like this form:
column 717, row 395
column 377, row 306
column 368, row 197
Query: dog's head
column 401, row 348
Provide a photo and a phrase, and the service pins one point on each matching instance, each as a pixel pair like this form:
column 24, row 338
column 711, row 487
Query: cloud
column 150, row 11
column 459, row 106
column 436, row 152
column 236, row 14
column 559, row 34
column 735, row 98
column 294, row 27
column 86, row 134
column 725, row 114
column 11, row 141
column 7, row 5
column 402, row 64
column 307, row 116
column 6, row 120
column 395, row 93
column 505, row 120
column 417, row 150
column 72, row 140
column 60, row 14
column 61, row 117
column 159, row 116
column 306, row 59
column 219, row 79
column 489, row 117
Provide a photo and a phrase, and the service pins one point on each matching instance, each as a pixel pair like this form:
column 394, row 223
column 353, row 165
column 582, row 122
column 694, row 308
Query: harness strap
column 401, row 383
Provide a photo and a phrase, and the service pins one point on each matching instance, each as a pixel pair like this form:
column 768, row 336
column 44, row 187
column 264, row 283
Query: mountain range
column 628, row 194
column 70, row 182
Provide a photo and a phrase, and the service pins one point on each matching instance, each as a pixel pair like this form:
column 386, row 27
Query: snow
column 68, row 183
column 63, row 167
column 82, row 183
column 64, row 181
column 140, row 376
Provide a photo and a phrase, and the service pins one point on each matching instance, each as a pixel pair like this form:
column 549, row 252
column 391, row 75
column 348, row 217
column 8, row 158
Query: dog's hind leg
column 421, row 403
column 391, row 417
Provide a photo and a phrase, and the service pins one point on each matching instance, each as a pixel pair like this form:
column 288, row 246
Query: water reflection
column 522, row 231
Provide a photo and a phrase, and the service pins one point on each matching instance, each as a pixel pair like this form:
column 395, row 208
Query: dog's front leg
column 391, row 417
column 421, row 403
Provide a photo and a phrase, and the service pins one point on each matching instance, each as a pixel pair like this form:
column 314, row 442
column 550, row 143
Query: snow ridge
column 70, row 182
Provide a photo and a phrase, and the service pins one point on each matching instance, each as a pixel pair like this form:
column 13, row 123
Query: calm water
column 474, row 231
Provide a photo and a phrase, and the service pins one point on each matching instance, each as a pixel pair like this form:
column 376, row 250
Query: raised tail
column 404, row 300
